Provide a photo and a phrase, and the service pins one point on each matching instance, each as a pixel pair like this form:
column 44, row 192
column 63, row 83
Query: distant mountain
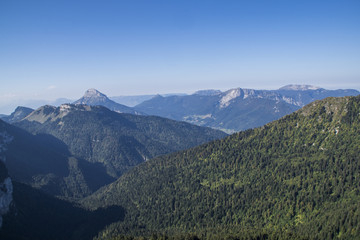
column 93, row 97
column 132, row 101
column 233, row 110
column 294, row 178
column 293, row 87
column 8, row 108
column 59, row 102
column 237, row 109
column 18, row 114
column 301, row 95
column 209, row 92
column 101, row 144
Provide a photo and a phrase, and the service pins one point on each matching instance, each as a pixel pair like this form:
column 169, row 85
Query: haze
column 53, row 49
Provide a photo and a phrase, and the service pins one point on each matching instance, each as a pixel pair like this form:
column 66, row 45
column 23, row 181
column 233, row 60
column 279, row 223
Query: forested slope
column 295, row 178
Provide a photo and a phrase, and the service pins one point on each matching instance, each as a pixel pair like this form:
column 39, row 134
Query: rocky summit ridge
column 93, row 97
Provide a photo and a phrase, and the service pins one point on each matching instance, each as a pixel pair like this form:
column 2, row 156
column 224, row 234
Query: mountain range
column 237, row 109
column 230, row 111
column 86, row 172
column 73, row 150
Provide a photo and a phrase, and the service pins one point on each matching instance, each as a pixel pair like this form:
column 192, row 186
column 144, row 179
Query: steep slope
column 297, row 177
column 35, row 215
column 6, row 187
column 93, row 97
column 6, row 192
column 115, row 141
column 19, row 114
column 44, row 162
column 237, row 109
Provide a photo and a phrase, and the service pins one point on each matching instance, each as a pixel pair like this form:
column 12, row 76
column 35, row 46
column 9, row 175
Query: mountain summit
column 93, row 97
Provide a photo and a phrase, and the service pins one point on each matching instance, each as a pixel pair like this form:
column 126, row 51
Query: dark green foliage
column 3, row 171
column 296, row 178
column 35, row 215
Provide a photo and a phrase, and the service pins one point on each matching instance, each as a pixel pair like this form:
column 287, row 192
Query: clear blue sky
column 60, row 48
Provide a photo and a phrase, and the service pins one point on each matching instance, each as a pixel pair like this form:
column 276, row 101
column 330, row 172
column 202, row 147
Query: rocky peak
column 92, row 92
column 93, row 97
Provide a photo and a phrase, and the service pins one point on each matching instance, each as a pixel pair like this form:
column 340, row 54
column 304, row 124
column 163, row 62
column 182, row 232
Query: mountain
column 132, row 101
column 293, row 87
column 59, row 102
column 91, row 145
column 233, row 110
column 9, row 107
column 93, row 97
column 45, row 163
column 301, row 95
column 209, row 92
column 29, row 213
column 294, row 178
column 18, row 114
column 237, row 109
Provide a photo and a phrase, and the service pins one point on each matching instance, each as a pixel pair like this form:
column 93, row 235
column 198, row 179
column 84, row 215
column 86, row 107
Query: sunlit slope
column 295, row 177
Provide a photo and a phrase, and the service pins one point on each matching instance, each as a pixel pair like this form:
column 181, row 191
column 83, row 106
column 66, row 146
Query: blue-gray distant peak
column 208, row 92
column 299, row 87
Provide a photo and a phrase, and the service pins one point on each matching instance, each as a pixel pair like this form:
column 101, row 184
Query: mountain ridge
column 238, row 108
column 94, row 141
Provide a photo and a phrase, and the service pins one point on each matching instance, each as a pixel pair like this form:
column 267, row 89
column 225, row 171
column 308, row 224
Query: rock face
column 93, row 97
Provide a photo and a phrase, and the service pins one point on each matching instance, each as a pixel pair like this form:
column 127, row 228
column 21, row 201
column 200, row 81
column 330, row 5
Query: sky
column 60, row 48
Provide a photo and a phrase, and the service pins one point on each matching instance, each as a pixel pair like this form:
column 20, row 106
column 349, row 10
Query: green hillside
column 295, row 178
